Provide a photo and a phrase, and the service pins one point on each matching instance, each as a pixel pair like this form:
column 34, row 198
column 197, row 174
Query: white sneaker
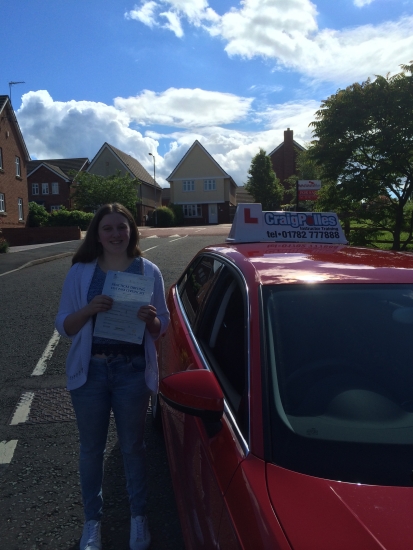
column 91, row 536
column 140, row 538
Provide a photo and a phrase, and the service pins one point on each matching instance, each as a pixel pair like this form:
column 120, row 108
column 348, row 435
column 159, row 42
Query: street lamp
column 154, row 184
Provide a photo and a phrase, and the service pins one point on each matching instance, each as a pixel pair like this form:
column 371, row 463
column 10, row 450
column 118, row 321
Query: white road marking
column 150, row 248
column 178, row 238
column 152, row 237
column 48, row 352
column 7, row 449
column 170, row 236
column 23, row 408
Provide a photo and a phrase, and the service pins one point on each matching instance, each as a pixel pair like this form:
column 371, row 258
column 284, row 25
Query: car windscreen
column 340, row 367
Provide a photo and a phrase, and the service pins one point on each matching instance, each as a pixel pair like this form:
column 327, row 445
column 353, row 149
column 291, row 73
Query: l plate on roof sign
column 251, row 224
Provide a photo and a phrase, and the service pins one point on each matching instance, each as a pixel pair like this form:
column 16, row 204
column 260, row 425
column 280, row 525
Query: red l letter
column 247, row 216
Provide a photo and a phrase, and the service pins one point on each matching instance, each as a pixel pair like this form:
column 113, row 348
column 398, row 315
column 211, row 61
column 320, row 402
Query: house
column 205, row 191
column 49, row 181
column 242, row 196
column 166, row 196
column 110, row 160
column 284, row 158
column 14, row 157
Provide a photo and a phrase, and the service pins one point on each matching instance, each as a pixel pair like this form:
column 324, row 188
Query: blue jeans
column 116, row 383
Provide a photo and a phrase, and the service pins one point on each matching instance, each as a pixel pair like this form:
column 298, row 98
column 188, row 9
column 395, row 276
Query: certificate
column 129, row 293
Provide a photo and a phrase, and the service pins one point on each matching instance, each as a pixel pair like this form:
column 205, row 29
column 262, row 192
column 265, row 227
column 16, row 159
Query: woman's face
column 114, row 233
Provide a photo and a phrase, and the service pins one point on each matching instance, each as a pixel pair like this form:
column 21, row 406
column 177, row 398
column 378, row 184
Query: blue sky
column 154, row 75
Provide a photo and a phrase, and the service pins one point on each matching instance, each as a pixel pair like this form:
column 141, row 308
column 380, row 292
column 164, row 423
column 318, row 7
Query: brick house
column 108, row 160
column 284, row 158
column 205, row 191
column 14, row 157
column 49, row 181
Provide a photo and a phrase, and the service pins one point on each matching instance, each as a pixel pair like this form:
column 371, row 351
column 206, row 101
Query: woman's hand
column 147, row 314
column 77, row 320
column 99, row 304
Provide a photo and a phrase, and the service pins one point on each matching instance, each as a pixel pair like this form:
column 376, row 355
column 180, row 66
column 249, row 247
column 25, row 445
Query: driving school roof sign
column 251, row 224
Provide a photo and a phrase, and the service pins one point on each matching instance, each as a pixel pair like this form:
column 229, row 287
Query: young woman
column 105, row 374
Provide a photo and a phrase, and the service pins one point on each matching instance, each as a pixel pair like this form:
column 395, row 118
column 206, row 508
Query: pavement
column 20, row 257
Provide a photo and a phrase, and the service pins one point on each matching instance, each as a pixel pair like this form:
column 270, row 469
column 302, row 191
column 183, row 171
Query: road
column 40, row 499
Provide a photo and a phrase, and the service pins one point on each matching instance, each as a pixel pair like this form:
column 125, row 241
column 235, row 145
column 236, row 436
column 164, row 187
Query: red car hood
column 319, row 514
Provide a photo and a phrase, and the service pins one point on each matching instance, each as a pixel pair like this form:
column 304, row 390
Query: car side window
column 222, row 334
column 195, row 283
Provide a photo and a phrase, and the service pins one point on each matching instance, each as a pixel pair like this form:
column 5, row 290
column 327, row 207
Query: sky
column 152, row 76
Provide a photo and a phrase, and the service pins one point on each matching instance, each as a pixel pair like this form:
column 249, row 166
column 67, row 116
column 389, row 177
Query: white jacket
column 74, row 297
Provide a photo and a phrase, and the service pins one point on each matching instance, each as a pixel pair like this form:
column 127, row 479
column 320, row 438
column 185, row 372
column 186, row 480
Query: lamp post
column 154, row 185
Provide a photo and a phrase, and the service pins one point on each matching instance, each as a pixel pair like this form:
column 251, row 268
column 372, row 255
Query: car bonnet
column 323, row 514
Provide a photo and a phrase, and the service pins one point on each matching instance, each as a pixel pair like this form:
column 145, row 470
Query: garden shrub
column 165, row 217
column 68, row 218
column 4, row 245
column 178, row 210
column 38, row 215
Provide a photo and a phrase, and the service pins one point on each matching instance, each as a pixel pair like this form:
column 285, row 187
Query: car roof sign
column 251, row 224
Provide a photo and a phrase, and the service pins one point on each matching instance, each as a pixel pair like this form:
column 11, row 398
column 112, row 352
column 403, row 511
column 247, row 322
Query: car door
column 211, row 303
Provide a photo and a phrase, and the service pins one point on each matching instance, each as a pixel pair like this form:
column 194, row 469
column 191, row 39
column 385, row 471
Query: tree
column 364, row 144
column 262, row 182
column 91, row 191
column 38, row 215
column 307, row 169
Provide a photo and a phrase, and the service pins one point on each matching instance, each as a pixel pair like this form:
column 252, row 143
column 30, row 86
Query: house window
column 188, row 185
column 55, row 207
column 209, row 185
column 55, row 188
column 2, row 203
column 20, row 207
column 18, row 171
column 192, row 210
column 1, row 159
column 35, row 188
column 45, row 188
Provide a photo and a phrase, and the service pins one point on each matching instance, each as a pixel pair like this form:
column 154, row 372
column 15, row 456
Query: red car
column 287, row 390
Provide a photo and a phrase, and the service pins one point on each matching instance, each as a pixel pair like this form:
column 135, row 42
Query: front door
column 212, row 213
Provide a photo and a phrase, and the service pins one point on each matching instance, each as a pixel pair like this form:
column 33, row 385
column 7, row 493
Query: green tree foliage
column 364, row 148
column 65, row 218
column 38, row 215
column 4, row 245
column 178, row 210
column 307, row 169
column 263, row 184
column 92, row 191
column 165, row 217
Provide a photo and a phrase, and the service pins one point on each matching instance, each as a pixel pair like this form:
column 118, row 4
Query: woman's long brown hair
column 91, row 248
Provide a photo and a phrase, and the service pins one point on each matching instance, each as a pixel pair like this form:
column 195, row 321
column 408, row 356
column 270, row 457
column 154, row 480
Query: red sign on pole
column 307, row 194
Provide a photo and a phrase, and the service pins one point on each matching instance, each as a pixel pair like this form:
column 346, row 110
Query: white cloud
column 195, row 11
column 234, row 149
column 361, row 3
column 145, row 14
column 55, row 129
column 288, row 33
column 173, row 24
column 184, row 107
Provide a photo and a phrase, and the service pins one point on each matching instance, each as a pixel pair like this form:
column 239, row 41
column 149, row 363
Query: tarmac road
column 40, row 501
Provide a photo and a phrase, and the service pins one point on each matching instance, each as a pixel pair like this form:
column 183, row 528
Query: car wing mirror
column 194, row 392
